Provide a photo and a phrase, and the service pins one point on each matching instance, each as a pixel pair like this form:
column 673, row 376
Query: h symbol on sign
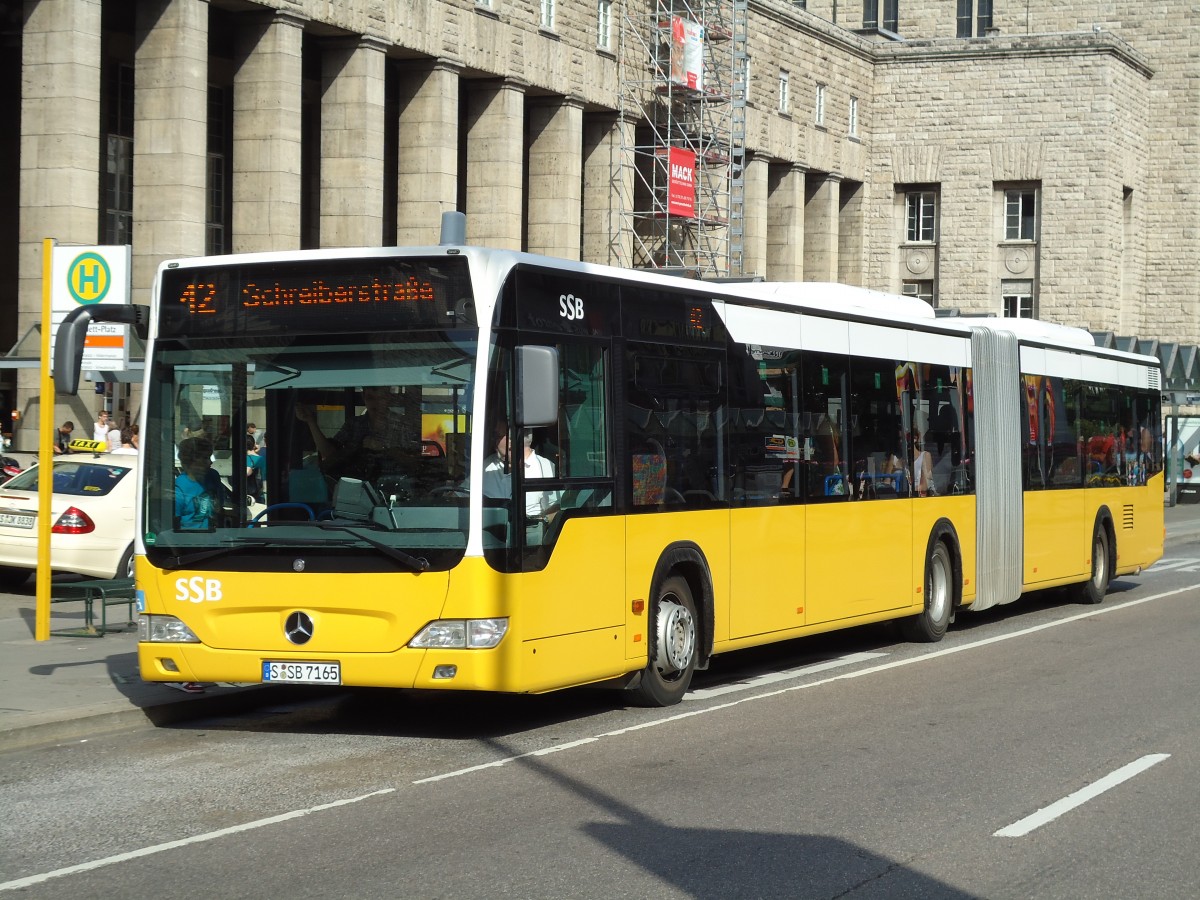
column 87, row 276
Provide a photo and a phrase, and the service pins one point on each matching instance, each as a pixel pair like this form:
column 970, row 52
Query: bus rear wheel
column 666, row 678
column 929, row 626
column 1094, row 589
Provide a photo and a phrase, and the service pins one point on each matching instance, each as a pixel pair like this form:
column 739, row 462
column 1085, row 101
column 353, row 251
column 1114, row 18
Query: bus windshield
column 353, row 448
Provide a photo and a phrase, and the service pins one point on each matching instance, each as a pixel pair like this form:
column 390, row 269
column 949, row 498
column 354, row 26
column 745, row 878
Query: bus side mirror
column 537, row 386
column 68, row 346
column 68, row 350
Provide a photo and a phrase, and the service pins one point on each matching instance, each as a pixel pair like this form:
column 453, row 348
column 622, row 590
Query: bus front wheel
column 1094, row 589
column 929, row 626
column 666, row 679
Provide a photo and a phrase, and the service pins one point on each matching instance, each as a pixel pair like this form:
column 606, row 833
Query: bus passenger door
column 859, row 534
column 766, row 540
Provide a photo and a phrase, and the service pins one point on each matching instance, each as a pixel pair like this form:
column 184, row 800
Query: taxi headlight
column 164, row 630
column 461, row 634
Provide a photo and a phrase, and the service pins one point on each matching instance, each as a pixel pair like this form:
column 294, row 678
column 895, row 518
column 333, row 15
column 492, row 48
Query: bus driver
column 497, row 476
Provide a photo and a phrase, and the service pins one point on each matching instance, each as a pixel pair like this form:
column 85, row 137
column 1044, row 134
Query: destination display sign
column 316, row 296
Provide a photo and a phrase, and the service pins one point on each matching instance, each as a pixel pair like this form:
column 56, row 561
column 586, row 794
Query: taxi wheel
column 125, row 567
column 676, row 631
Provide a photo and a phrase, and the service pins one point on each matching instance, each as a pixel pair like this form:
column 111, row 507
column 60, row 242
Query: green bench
column 97, row 595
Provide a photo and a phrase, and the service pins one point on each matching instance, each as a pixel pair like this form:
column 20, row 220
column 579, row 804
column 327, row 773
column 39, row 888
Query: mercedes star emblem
column 299, row 628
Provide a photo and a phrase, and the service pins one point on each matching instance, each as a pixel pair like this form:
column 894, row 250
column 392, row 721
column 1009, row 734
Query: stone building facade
column 993, row 159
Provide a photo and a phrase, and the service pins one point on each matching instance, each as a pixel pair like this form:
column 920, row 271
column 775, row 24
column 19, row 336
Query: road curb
column 105, row 719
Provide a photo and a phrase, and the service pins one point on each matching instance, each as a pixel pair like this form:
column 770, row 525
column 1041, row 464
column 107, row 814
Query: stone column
column 607, row 189
column 60, row 165
column 754, row 216
column 495, row 164
column 266, row 133
column 352, row 123
column 852, row 250
column 555, row 177
column 427, row 176
column 785, row 223
column 170, row 135
column 821, row 227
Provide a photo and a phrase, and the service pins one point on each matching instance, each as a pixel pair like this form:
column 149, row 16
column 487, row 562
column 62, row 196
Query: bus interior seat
column 356, row 499
column 649, row 478
column 307, row 485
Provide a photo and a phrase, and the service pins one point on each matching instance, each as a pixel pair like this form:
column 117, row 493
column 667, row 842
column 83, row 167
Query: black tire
column 929, row 626
column 125, row 566
column 11, row 578
column 676, row 630
column 1093, row 590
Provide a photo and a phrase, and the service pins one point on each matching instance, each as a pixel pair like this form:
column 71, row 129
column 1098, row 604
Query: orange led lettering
column 199, row 298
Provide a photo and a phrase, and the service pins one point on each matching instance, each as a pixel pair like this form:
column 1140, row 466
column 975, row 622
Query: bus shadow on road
column 725, row 862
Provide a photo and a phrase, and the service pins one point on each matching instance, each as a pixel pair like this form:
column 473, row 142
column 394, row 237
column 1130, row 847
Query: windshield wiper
column 189, row 559
column 417, row 563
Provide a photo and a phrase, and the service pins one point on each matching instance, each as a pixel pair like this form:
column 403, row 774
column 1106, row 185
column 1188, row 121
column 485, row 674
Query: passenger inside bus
column 376, row 443
column 198, row 488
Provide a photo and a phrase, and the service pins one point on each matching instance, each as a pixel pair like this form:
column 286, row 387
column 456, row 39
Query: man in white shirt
column 497, row 477
column 101, row 427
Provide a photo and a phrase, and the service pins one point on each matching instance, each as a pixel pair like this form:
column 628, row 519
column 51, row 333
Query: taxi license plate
column 16, row 520
column 302, row 672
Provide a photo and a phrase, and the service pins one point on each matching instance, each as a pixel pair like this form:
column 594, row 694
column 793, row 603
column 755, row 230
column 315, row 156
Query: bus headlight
column 164, row 630
column 461, row 634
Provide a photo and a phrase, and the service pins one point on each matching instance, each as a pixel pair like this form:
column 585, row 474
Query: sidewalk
column 71, row 688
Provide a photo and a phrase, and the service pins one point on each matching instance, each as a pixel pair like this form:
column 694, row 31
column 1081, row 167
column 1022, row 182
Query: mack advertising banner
column 681, row 182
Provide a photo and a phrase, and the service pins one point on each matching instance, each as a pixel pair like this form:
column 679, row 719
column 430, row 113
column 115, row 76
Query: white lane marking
column 183, row 842
column 1049, row 813
column 775, row 677
column 859, row 673
column 1164, row 565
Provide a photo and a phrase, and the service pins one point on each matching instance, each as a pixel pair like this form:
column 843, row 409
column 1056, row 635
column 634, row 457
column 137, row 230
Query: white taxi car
column 91, row 512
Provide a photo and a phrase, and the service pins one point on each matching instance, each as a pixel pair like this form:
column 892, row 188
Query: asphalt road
column 1042, row 750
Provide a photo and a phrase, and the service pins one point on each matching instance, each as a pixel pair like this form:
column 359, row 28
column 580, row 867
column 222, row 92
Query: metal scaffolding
column 683, row 84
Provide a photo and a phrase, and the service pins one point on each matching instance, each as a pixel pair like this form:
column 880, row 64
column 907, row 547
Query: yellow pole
column 45, row 453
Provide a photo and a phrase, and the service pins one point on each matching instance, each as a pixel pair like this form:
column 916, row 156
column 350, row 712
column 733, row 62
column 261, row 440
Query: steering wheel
column 274, row 506
column 449, row 490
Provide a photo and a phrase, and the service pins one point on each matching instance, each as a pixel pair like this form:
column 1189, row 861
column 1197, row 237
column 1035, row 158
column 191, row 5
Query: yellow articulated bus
column 487, row 470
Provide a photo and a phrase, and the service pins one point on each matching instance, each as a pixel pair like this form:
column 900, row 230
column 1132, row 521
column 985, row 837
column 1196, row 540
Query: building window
column 890, row 11
column 977, row 13
column 484, row 4
column 852, row 123
column 1018, row 299
column 784, row 91
column 1020, row 214
column 117, row 187
column 218, row 186
column 922, row 290
column 604, row 24
column 548, row 14
column 920, row 209
column 819, row 117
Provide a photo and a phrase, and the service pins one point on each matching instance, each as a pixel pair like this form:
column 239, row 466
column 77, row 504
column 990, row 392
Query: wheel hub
column 676, row 637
